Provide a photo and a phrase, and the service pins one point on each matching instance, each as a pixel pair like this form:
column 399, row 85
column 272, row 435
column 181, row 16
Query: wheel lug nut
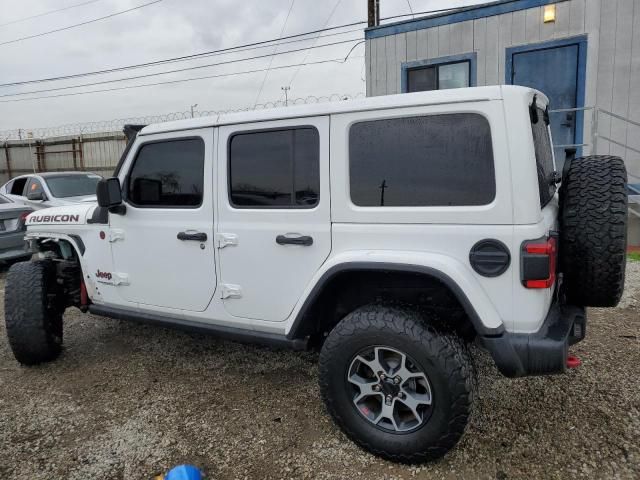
column 383, row 376
column 376, row 388
column 397, row 380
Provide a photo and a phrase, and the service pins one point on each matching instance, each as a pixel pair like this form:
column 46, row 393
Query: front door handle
column 303, row 240
column 198, row 237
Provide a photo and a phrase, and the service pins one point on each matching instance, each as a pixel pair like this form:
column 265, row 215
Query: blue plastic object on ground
column 184, row 472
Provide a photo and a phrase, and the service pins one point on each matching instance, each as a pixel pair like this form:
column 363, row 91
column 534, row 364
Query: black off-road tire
column 443, row 357
column 593, row 230
column 34, row 323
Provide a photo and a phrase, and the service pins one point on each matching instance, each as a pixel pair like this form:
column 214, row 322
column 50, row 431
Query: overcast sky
column 174, row 28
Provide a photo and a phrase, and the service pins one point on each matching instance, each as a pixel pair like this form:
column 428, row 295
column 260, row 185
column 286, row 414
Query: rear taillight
column 539, row 257
column 22, row 219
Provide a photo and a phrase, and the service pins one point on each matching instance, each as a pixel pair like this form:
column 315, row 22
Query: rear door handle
column 303, row 240
column 198, row 236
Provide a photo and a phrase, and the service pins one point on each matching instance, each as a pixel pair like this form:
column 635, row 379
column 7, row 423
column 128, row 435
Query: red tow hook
column 573, row 362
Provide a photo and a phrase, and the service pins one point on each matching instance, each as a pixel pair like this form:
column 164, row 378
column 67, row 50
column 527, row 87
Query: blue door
column 553, row 71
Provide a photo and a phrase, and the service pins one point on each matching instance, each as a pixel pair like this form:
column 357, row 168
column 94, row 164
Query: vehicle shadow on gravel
column 128, row 401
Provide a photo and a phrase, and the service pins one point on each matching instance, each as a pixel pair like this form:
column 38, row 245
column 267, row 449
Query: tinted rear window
column 544, row 158
column 436, row 160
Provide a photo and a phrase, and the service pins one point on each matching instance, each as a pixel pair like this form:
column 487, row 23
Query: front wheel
column 32, row 316
column 395, row 385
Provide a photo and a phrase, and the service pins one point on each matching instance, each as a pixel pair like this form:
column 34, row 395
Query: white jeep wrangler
column 387, row 232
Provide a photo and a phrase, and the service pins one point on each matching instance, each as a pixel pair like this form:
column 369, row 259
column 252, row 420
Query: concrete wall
column 97, row 153
column 612, row 71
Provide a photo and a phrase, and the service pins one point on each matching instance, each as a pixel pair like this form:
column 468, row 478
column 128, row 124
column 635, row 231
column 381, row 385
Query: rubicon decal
column 53, row 218
column 104, row 275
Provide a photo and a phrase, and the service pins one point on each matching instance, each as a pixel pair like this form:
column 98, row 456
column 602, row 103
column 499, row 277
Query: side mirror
column 36, row 196
column 109, row 193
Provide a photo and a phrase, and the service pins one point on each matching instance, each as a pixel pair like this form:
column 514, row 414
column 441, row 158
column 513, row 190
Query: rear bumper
column 13, row 245
column 543, row 352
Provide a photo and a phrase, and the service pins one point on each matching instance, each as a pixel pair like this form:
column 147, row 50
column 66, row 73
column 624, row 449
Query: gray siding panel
column 491, row 67
column 433, row 39
column 423, row 39
column 576, row 16
column 412, row 51
column 504, row 41
column 401, row 57
column 621, row 74
column 518, row 21
column 391, row 64
column 605, row 69
column 561, row 25
column 479, row 45
column 533, row 19
column 592, row 25
column 444, row 40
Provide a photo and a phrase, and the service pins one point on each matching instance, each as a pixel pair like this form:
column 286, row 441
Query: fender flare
column 332, row 272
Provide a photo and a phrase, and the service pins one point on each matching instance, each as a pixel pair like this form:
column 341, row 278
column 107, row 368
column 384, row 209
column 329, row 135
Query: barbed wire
column 115, row 125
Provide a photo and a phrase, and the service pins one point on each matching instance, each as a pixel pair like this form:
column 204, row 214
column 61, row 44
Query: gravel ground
column 127, row 401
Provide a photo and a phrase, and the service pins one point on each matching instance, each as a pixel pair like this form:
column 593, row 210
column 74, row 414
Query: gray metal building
column 584, row 54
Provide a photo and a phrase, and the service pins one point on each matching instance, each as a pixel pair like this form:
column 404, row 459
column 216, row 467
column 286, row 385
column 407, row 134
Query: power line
column 38, row 15
column 284, row 25
column 178, row 70
column 333, row 60
column 295, row 74
column 15, row 40
column 247, row 46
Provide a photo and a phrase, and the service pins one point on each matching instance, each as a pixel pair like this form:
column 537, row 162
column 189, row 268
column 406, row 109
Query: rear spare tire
column 593, row 234
column 33, row 320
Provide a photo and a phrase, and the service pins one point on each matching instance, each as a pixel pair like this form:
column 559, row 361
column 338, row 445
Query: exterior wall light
column 549, row 14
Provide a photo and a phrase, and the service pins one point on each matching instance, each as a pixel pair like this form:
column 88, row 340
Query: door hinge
column 120, row 279
column 224, row 239
column 230, row 291
column 116, row 234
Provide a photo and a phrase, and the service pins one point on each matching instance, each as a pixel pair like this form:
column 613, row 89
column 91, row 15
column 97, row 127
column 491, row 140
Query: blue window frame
column 453, row 71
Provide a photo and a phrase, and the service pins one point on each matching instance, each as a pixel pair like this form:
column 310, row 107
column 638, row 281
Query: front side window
column 64, row 186
column 168, row 174
column 275, row 168
column 438, row 77
column 435, row 160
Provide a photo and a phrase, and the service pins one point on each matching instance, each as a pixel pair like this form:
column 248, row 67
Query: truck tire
column 395, row 385
column 34, row 322
column 593, row 230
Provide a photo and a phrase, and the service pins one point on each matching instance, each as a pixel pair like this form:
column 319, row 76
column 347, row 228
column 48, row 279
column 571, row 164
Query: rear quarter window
column 544, row 158
column 435, row 160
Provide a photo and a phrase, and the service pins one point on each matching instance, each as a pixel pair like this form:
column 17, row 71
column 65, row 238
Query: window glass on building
column 168, row 174
column 435, row 160
column 275, row 168
column 438, row 77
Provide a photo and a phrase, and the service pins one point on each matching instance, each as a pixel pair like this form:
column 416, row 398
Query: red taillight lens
column 22, row 219
column 539, row 259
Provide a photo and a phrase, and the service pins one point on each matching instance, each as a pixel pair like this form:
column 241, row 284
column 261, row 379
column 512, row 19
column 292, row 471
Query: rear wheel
column 33, row 317
column 593, row 234
column 395, row 385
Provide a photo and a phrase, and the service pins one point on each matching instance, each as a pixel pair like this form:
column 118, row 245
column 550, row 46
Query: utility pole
column 192, row 107
column 286, row 95
column 373, row 13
